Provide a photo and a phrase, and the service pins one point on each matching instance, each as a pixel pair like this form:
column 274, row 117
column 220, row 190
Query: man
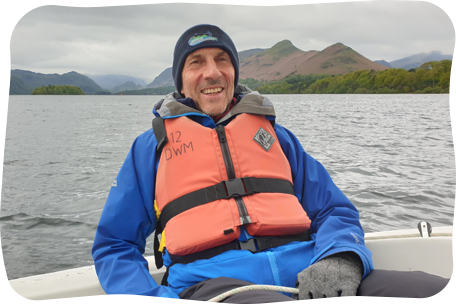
column 206, row 73
column 233, row 195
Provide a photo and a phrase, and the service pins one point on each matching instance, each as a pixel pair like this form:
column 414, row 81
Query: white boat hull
column 403, row 250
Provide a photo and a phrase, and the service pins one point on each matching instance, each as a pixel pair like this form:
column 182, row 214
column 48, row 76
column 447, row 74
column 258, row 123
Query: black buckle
column 235, row 187
column 250, row 245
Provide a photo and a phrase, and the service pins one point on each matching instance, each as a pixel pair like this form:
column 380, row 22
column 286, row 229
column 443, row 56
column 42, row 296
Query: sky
column 138, row 40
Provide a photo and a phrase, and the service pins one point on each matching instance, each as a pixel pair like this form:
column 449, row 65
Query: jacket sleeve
column 335, row 220
column 127, row 220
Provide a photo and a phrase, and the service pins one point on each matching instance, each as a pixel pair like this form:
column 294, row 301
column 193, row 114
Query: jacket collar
column 247, row 101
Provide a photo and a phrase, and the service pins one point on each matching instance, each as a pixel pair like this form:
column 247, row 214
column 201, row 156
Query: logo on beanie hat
column 197, row 37
column 201, row 38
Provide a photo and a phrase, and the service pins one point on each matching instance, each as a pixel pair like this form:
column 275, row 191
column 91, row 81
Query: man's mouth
column 212, row 91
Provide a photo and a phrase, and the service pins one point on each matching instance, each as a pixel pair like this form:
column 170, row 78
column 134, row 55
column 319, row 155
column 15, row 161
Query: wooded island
column 58, row 90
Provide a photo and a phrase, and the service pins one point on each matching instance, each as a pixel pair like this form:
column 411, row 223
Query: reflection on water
column 392, row 155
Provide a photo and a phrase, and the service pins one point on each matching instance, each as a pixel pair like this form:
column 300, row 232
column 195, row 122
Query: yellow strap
column 157, row 211
column 163, row 239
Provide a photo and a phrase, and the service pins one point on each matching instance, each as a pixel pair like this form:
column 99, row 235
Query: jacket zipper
column 245, row 217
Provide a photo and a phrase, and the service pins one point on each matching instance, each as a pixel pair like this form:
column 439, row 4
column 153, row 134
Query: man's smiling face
column 208, row 79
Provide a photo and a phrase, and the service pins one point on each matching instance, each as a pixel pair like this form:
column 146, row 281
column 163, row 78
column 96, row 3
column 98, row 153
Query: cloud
column 138, row 40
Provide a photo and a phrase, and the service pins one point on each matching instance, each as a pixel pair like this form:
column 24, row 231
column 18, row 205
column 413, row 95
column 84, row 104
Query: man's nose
column 211, row 70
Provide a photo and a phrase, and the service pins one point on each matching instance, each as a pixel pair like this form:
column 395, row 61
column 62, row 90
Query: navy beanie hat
column 199, row 37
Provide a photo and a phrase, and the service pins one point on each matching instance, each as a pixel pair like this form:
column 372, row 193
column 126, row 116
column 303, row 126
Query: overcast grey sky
column 139, row 40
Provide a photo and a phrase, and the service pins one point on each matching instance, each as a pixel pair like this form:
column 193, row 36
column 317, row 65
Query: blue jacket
column 129, row 218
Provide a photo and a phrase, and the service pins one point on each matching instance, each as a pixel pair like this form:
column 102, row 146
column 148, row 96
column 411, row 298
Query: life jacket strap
column 158, row 126
column 224, row 190
column 255, row 244
column 157, row 254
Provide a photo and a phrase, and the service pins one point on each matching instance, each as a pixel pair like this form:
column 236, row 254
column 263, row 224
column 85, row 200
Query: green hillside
column 430, row 77
column 288, row 85
column 18, row 87
column 34, row 80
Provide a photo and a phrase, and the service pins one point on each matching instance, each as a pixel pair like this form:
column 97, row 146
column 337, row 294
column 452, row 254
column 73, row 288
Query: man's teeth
column 212, row 91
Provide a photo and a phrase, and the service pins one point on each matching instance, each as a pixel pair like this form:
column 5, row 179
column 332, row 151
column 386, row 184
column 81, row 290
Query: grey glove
column 336, row 275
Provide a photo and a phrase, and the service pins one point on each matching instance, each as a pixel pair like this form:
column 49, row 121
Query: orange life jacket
column 210, row 182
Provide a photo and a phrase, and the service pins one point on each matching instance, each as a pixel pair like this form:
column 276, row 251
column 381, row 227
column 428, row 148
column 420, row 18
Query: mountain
column 417, row 60
column 337, row 59
column 274, row 63
column 18, row 87
column 110, row 81
column 128, row 86
column 284, row 59
column 34, row 80
column 165, row 79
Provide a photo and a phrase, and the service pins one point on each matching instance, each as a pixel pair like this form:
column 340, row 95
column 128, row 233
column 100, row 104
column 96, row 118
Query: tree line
column 289, row 85
column 148, row 91
column 430, row 77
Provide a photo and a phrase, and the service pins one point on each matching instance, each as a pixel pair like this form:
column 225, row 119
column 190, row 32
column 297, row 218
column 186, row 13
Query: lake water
column 392, row 155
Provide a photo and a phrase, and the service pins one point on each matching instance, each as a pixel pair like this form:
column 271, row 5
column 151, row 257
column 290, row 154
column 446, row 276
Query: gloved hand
column 336, row 275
